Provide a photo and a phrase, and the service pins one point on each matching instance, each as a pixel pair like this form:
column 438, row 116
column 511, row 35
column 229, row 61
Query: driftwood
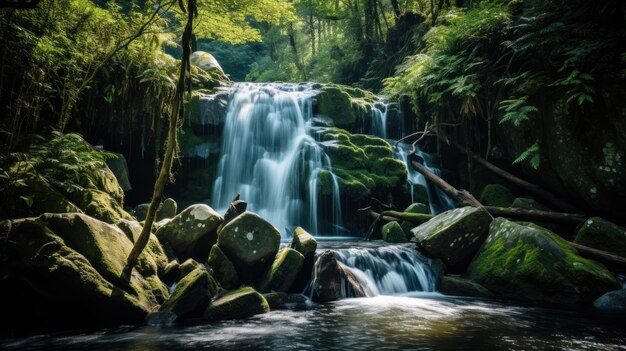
column 418, row 218
column 535, row 215
column 375, row 216
column 531, row 188
column 613, row 262
column 376, row 224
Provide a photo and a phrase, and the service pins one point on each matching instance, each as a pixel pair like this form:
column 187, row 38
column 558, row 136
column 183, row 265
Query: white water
column 269, row 156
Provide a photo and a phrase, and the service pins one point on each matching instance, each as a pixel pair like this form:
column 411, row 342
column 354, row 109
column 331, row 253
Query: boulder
column 242, row 303
column 527, row 262
column 223, row 269
column 167, row 209
column 205, row 61
column 458, row 286
column 528, row 204
column 250, row 242
column 602, row 235
column 191, row 295
column 71, row 265
column 420, row 196
column 140, row 212
column 171, row 273
column 192, row 232
column 153, row 255
column 304, row 243
column 413, row 208
column 454, row 236
column 283, row 272
column 98, row 204
column 119, row 167
column 392, row 233
column 275, row 299
column 106, row 181
column 612, row 302
column 189, row 266
column 496, row 195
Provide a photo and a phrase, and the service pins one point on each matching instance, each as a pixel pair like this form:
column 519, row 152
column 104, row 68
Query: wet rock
column 528, row 204
column 251, row 243
column 275, row 299
column 496, row 195
column 189, row 266
column 223, row 269
column 352, row 284
column 305, row 244
column 458, row 286
column 192, row 294
column 528, row 262
column 167, row 209
column 414, row 208
column 192, row 232
column 238, row 304
column 161, row 318
column 283, row 271
column 602, row 235
column 612, row 302
column 329, row 277
column 454, row 236
column 392, row 233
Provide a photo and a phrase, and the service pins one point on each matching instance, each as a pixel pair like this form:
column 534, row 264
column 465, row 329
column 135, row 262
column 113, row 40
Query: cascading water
column 269, row 156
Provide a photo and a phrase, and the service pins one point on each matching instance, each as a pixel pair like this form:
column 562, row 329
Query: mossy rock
column 528, row 204
column 458, row 286
column 238, row 304
column 392, row 232
column 192, row 294
column 413, row 208
column 251, row 243
column 304, row 243
column 276, row 300
column 602, row 235
column 454, row 236
column 496, row 195
column 106, row 181
column 98, row 204
column 191, row 233
column 223, row 269
column 167, row 209
column 72, row 264
column 283, row 272
column 119, row 167
column 189, row 266
column 420, row 194
column 528, row 262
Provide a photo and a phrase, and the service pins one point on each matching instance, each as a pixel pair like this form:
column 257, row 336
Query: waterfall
column 269, row 156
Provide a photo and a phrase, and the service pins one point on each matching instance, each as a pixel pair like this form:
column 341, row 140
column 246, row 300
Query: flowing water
column 406, row 316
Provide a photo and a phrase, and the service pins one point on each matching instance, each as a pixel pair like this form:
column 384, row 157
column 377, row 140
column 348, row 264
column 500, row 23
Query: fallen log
column 613, row 262
column 535, row 215
column 375, row 215
column 463, row 197
column 417, row 218
column 530, row 187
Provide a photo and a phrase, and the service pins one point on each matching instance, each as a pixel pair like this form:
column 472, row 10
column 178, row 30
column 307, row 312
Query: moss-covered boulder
column 344, row 104
column 153, row 255
column 98, row 204
column 454, row 236
column 283, row 272
column 250, row 242
column 106, row 181
column 458, row 286
column 242, row 303
column 192, row 232
column 420, row 195
column 119, row 167
column 392, row 232
column 71, row 265
column 167, row 209
column 276, row 300
column 192, row 294
column 189, row 266
column 602, row 235
column 496, row 195
column 223, row 269
column 413, row 208
column 304, row 243
column 528, row 262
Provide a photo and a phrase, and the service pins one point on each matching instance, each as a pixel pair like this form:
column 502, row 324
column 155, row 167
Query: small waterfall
column 388, row 270
column 269, row 156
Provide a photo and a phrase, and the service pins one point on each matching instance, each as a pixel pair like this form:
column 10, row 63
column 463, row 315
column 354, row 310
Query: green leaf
column 28, row 200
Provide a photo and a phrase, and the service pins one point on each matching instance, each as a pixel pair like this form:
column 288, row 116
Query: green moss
column 242, row 303
column 303, row 242
column 527, row 262
column 496, row 195
column 393, row 233
column 283, row 271
column 192, row 294
column 99, row 204
column 223, row 268
column 602, row 235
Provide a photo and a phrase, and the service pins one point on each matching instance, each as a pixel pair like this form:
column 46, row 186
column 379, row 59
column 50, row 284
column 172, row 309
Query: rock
column 528, row 204
column 602, row 235
column 275, row 299
column 106, row 181
column 528, row 262
column 153, row 254
column 420, row 196
column 188, row 266
column 161, row 319
column 612, row 302
column 351, row 283
column 414, row 208
column 171, row 273
column 205, row 110
column 167, row 209
column 242, row 303
column 205, row 61
column 328, row 276
column 250, row 242
column 454, row 236
column 119, row 167
column 283, row 272
column 305, row 244
column 192, row 232
column 392, row 233
column 496, row 195
column 192, row 294
column 98, row 204
column 458, row 286
column 70, row 265
column 223, row 269
column 344, row 104
column 140, row 212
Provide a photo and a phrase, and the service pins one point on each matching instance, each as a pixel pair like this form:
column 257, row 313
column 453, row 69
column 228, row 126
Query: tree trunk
column 613, row 262
column 417, row 218
column 396, row 8
column 535, row 215
column 166, row 166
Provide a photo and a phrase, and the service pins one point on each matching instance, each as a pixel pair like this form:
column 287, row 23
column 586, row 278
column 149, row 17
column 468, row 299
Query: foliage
column 531, row 154
column 516, row 110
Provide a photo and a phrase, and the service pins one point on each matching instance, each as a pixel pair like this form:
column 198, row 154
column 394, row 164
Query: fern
column 516, row 111
column 531, row 154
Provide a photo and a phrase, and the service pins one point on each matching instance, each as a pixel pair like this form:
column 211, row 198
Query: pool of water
column 415, row 321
